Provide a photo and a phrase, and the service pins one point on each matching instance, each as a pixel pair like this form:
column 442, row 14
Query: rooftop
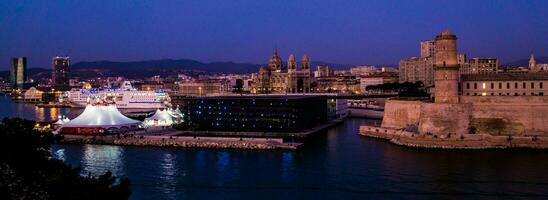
column 505, row 76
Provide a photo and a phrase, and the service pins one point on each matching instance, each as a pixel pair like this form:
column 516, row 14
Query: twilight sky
column 338, row 31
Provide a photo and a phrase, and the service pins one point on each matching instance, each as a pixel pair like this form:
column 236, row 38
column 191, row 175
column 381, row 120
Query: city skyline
column 246, row 31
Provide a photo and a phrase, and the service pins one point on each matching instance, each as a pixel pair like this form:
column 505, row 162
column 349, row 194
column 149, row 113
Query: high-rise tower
column 60, row 74
column 446, row 75
column 18, row 72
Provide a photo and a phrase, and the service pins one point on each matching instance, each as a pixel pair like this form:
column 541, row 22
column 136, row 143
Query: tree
column 27, row 170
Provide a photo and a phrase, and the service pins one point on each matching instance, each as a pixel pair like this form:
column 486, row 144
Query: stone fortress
column 454, row 120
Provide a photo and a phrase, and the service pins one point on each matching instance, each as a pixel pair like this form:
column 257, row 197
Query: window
column 500, row 94
column 524, row 94
column 492, row 85
column 492, row 94
column 516, row 85
column 500, row 85
column 532, row 94
column 540, row 85
column 507, row 85
column 483, row 86
column 475, row 94
column 524, row 85
column 532, row 85
column 468, row 94
column 467, row 85
column 541, row 93
column 475, row 85
column 516, row 94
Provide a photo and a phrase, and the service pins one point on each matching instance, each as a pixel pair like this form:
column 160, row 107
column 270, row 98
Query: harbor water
column 336, row 164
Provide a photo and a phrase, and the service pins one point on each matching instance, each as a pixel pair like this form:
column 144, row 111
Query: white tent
column 101, row 116
column 160, row 118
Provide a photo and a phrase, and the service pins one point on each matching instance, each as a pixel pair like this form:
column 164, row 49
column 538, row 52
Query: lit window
column 483, row 86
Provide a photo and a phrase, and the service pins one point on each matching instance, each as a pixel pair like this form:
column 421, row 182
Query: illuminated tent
column 105, row 117
column 160, row 118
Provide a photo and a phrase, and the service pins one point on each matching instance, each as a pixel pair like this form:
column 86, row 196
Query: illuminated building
column 60, row 74
column 18, row 72
column 253, row 113
column 277, row 78
column 505, row 84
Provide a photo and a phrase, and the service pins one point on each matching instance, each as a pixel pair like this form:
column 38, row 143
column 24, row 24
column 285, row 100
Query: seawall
column 184, row 142
column 467, row 141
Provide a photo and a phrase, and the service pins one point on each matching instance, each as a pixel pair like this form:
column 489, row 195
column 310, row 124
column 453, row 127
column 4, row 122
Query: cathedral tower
column 291, row 63
column 305, row 62
column 532, row 63
column 446, row 75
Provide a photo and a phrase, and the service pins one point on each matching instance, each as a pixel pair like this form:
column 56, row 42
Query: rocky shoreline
column 465, row 141
column 183, row 142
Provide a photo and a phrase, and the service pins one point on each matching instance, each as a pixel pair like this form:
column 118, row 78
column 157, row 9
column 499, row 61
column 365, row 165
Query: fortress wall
column 445, row 118
column 519, row 115
column 399, row 113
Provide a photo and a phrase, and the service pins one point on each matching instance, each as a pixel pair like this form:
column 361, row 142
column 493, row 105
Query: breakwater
column 453, row 141
column 184, row 142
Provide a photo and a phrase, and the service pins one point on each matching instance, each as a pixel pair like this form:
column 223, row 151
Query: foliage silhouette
column 27, row 170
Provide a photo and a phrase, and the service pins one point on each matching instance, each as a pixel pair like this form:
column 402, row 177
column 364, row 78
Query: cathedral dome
column 275, row 62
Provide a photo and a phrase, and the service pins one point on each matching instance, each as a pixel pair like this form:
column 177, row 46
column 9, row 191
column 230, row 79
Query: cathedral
column 277, row 78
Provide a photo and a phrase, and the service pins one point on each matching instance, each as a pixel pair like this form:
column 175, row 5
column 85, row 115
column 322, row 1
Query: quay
column 184, row 141
column 449, row 141
column 168, row 137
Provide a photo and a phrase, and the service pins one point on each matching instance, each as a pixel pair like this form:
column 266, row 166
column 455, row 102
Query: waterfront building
column 323, row 71
column 18, row 72
column 277, row 78
column 60, row 74
column 363, row 70
column 416, row 69
column 33, row 95
column 537, row 67
column 377, row 79
column 428, row 47
column 480, row 66
column 252, row 113
column 338, row 84
column 211, row 87
column 505, row 84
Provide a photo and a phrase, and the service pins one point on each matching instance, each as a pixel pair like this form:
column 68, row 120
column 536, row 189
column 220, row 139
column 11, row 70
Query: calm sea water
column 337, row 164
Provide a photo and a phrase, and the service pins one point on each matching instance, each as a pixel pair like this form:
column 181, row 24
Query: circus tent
column 99, row 118
column 159, row 118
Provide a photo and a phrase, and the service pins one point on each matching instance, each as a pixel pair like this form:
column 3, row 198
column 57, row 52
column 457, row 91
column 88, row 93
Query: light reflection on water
column 98, row 159
column 338, row 165
column 168, row 180
column 9, row 108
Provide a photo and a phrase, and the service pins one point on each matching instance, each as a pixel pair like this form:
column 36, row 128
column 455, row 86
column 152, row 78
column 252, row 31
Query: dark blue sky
column 353, row 32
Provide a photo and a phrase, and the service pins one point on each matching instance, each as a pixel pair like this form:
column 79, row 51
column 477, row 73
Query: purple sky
column 352, row 32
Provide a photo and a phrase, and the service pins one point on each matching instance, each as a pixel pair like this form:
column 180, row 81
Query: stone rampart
column 445, row 118
column 516, row 115
column 399, row 113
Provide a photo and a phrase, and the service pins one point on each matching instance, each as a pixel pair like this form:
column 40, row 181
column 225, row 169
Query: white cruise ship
column 124, row 97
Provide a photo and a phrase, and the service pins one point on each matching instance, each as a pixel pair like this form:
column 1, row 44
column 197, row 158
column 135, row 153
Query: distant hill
column 165, row 67
column 525, row 62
